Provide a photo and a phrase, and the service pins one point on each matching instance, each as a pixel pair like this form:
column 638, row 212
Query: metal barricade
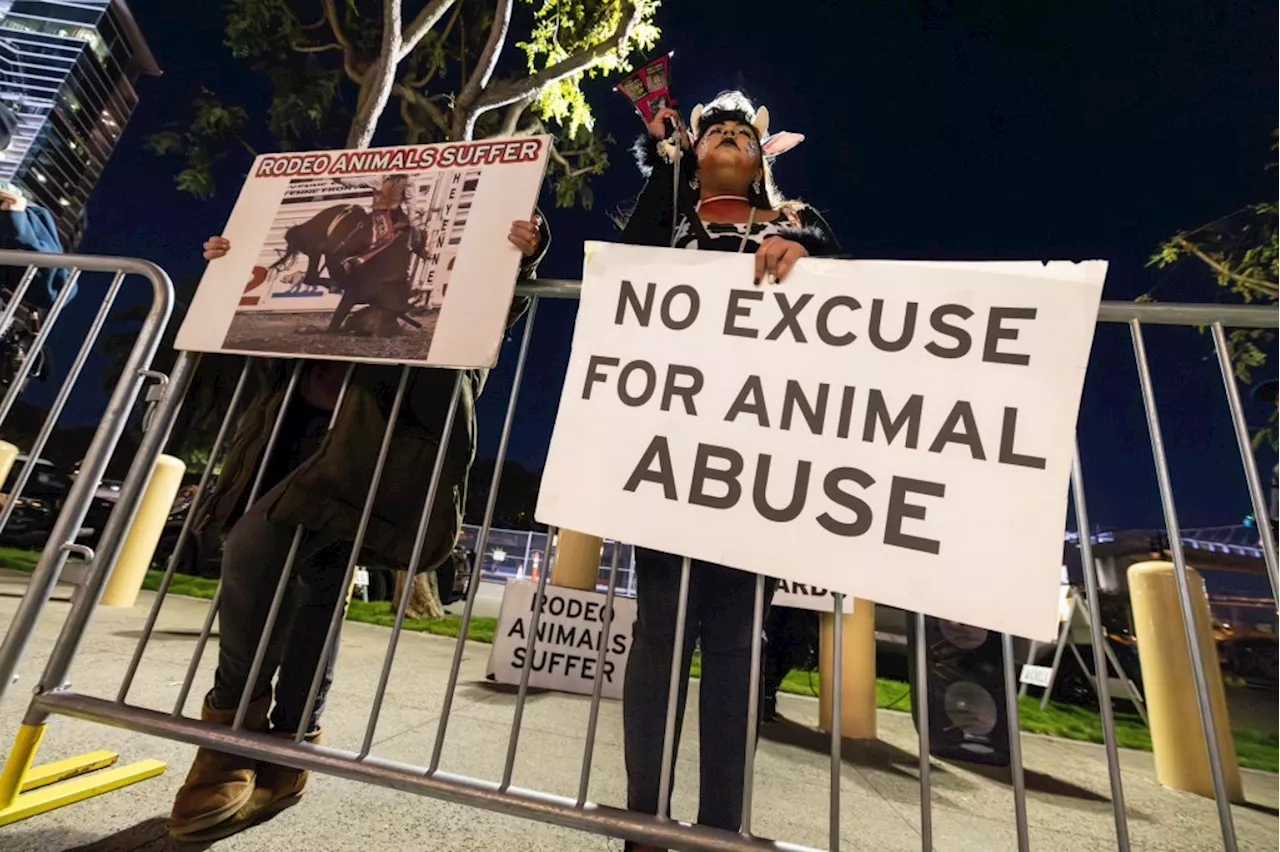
column 578, row 812
column 62, row 540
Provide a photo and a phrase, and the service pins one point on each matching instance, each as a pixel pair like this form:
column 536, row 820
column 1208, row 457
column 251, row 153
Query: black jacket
column 650, row 221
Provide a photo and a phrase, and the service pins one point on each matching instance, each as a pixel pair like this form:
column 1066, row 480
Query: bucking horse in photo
column 343, row 240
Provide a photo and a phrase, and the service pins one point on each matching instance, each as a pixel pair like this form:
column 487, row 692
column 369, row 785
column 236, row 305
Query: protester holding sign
column 708, row 189
column 317, row 478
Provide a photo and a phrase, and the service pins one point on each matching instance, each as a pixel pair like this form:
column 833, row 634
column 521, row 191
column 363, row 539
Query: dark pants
column 719, row 618
column 791, row 642
column 253, row 557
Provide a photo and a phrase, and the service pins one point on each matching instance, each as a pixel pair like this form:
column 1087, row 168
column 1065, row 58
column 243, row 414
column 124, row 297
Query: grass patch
column 1254, row 749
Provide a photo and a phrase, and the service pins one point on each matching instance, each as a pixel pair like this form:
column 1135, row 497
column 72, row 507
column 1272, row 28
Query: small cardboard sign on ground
column 805, row 596
column 897, row 431
column 570, row 631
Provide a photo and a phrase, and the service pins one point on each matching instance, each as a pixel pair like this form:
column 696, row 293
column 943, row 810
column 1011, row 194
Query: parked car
column 42, row 500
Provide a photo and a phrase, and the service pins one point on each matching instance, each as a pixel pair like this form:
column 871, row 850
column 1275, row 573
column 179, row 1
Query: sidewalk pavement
column 1069, row 805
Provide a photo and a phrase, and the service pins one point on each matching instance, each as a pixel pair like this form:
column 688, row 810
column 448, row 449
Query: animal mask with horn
column 734, row 106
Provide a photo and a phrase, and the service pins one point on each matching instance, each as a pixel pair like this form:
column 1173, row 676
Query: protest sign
column 386, row 255
column 569, row 635
column 901, row 432
column 804, row 596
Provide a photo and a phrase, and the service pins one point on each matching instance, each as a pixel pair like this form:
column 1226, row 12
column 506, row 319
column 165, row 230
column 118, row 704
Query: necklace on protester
column 717, row 198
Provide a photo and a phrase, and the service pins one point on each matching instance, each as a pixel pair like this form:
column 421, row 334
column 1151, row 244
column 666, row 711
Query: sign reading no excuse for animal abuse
column 387, row 255
column 901, row 432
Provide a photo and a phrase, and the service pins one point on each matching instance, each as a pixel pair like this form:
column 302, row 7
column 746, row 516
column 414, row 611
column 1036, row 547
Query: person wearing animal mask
column 709, row 188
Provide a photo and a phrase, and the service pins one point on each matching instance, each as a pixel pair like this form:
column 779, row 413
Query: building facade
column 67, row 73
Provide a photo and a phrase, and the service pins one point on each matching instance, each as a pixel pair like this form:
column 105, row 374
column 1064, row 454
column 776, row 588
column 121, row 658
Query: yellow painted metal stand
column 27, row 790
column 144, row 535
column 1177, row 736
column 577, row 563
column 857, row 672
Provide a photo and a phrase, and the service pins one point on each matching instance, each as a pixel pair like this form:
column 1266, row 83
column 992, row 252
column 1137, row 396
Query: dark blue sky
column 1058, row 130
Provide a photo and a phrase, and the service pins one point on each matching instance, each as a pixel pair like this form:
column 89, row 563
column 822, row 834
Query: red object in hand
column 649, row 87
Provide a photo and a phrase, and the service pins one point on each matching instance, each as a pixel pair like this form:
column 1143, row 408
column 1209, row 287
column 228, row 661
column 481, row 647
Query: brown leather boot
column 218, row 784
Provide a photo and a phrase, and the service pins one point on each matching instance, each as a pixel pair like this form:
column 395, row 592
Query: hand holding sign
column 870, row 429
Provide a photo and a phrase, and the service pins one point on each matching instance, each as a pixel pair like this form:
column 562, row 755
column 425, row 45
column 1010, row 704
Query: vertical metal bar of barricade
column 482, row 540
column 921, row 705
column 415, row 558
column 836, row 682
column 522, row 695
column 753, row 706
column 340, row 603
column 1257, row 496
column 42, row 337
column 60, row 401
column 115, row 416
column 673, row 693
column 113, row 533
column 1016, row 773
column 597, row 686
column 1099, row 640
column 192, row 510
column 282, row 586
column 207, row 628
column 15, row 300
column 1208, row 722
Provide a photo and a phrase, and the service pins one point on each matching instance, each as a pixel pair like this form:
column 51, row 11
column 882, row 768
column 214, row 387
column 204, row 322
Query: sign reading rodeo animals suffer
column 901, row 432
column 570, row 631
column 387, row 255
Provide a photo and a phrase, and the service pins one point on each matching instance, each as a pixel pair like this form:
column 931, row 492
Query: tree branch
column 1266, row 288
column 340, row 36
column 420, row 26
column 378, row 81
column 417, row 82
column 433, row 112
column 511, row 121
column 480, row 76
column 569, row 170
column 500, row 96
column 314, row 48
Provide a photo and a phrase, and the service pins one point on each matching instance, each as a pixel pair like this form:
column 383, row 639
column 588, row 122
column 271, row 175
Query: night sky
column 1062, row 131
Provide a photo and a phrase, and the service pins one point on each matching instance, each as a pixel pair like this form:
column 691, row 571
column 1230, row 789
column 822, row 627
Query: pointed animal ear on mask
column 781, row 143
column 695, row 119
column 761, row 122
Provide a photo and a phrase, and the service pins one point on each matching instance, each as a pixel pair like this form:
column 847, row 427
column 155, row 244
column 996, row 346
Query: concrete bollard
column 1177, row 736
column 8, row 455
column 577, row 562
column 144, row 535
column 857, row 675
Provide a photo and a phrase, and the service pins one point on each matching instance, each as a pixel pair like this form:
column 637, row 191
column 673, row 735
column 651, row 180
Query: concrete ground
column 1069, row 804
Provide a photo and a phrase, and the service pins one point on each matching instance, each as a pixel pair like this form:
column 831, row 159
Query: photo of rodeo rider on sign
column 385, row 255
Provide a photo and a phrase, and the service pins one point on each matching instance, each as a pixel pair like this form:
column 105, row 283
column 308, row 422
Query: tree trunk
column 424, row 598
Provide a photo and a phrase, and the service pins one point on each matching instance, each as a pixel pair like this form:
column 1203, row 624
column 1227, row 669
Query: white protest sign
column 804, row 596
column 901, row 432
column 418, row 233
column 569, row 634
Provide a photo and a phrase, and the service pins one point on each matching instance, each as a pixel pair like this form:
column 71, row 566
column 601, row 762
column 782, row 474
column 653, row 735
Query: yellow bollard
column 577, row 562
column 857, row 674
column 143, row 537
column 1177, row 737
column 8, row 455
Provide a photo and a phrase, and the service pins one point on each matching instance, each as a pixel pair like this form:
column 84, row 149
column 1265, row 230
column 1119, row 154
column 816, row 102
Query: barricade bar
column 1150, row 313
column 512, row 801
